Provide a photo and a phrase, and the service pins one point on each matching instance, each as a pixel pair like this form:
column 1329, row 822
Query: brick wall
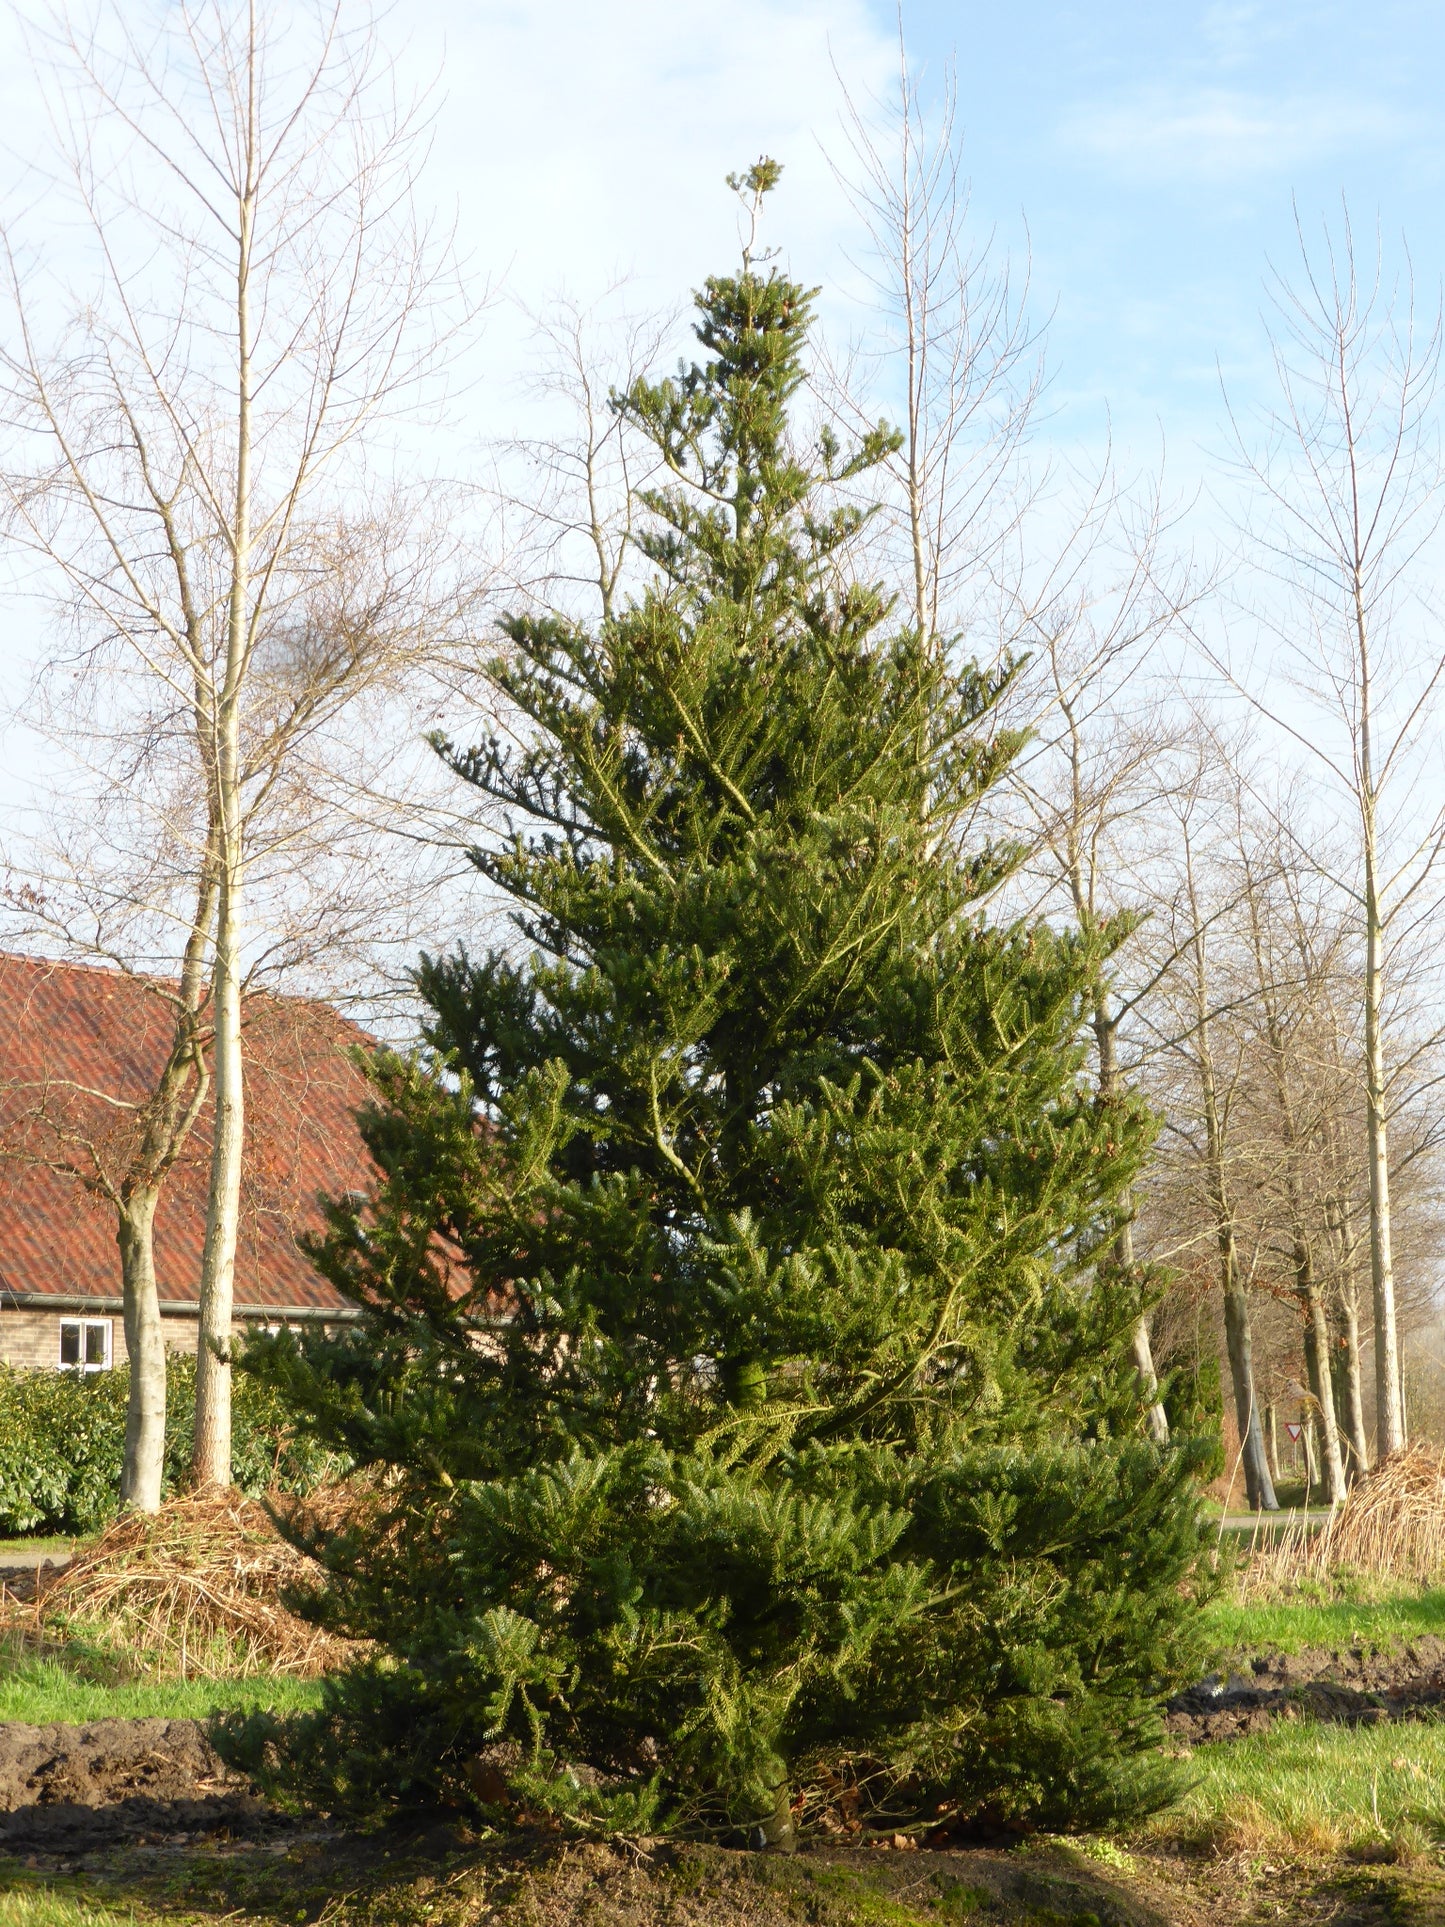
column 32, row 1337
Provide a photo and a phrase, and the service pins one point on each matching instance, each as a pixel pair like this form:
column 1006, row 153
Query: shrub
column 62, row 1440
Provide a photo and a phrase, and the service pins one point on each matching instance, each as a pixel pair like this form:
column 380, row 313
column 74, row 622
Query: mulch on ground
column 200, row 1588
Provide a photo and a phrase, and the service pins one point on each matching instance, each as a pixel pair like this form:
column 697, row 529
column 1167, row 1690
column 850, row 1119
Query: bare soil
column 1354, row 1685
column 143, row 1812
column 69, row 1789
column 440, row 1878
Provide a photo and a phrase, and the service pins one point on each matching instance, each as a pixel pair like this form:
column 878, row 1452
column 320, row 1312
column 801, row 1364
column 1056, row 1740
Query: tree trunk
column 1259, row 1480
column 1389, row 1416
column 1312, row 1470
column 1274, row 1441
column 1404, row 1416
column 1389, row 1421
column 1342, row 1399
column 1300, row 1149
column 211, row 1463
column 1156, row 1417
column 1340, row 1218
column 1239, row 1342
column 778, row 1831
column 145, row 1416
column 1317, row 1360
column 211, row 1460
column 1354, row 1385
column 167, row 1121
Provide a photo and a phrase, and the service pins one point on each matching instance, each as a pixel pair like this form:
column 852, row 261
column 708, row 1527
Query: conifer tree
column 741, row 1363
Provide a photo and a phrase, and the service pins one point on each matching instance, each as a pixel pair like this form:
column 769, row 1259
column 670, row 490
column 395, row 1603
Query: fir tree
column 746, row 1381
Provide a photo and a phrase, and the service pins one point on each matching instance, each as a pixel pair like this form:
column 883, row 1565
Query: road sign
column 1294, row 1433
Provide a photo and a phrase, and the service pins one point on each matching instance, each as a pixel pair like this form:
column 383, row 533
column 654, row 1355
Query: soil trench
column 67, row 1789
column 1359, row 1685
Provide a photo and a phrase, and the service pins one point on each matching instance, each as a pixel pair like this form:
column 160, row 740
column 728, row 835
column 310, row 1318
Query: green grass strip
column 39, row 1690
column 31, row 1906
column 1324, row 1788
column 1287, row 1628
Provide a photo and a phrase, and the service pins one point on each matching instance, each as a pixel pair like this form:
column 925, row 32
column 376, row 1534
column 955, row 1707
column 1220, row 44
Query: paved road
column 1275, row 1522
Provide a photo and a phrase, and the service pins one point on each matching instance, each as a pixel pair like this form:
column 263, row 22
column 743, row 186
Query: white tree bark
column 194, row 463
column 1389, row 1422
column 167, row 1123
column 145, row 1416
column 211, row 1458
column 1349, row 505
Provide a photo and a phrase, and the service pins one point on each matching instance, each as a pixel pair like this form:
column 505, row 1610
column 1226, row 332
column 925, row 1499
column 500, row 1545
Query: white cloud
column 1235, row 31
column 578, row 139
column 1218, row 135
column 583, row 138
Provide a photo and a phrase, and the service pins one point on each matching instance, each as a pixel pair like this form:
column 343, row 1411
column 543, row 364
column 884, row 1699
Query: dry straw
column 195, row 1590
column 1391, row 1526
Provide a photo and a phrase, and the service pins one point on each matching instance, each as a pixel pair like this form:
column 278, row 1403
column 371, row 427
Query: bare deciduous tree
column 1206, row 1119
column 1089, row 786
column 571, row 492
column 1347, row 488
column 954, row 331
column 207, row 450
column 1293, row 957
column 116, row 1146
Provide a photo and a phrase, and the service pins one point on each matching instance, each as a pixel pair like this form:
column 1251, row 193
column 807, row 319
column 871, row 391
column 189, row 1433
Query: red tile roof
column 77, row 1045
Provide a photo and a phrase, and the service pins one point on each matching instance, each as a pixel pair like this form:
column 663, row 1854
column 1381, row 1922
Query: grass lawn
column 52, row 1907
column 1385, row 1622
column 38, row 1691
column 36, row 1549
column 1370, row 1792
column 73, row 1686
column 1300, row 1824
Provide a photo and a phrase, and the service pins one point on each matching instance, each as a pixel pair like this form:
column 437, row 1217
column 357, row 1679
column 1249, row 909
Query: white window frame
column 82, row 1326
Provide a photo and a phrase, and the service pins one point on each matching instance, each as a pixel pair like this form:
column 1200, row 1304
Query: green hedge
column 62, row 1438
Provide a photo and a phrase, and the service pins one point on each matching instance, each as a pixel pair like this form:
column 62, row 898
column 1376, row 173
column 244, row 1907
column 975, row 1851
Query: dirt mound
column 69, row 1788
column 1355, row 1686
column 195, row 1589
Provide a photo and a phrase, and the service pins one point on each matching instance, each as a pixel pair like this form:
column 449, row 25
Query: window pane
column 69, row 1344
column 95, row 1344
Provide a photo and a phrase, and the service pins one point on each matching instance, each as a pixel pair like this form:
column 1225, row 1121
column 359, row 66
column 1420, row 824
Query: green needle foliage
column 747, row 1386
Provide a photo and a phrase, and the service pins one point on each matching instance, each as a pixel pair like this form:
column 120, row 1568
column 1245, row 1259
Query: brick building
column 79, row 1046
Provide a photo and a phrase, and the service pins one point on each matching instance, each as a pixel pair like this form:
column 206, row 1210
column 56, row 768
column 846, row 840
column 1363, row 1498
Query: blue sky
column 1145, row 155
column 1155, row 151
